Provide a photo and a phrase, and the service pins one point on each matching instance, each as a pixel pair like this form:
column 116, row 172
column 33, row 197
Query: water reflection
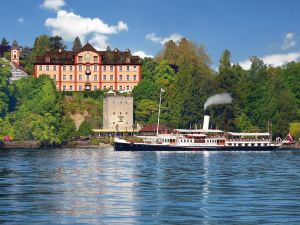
column 94, row 186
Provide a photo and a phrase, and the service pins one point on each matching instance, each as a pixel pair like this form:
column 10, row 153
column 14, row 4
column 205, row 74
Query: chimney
column 206, row 122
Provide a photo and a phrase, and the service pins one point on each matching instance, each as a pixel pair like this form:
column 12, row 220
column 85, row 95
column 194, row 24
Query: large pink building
column 89, row 69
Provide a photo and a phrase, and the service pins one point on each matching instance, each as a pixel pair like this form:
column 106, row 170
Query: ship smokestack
column 206, row 122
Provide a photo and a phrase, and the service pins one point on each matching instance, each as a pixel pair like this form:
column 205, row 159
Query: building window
column 104, row 77
column 128, row 77
column 87, row 77
column 111, row 68
column 80, row 88
column 79, row 58
column 80, row 77
column 95, row 58
column 111, row 77
column 134, row 77
column 71, row 68
column 127, row 88
column 127, row 68
column 64, row 68
column 95, row 77
column 54, row 68
column 111, row 87
column 134, row 68
column 64, row 88
column 120, row 68
column 64, row 77
column 104, row 68
column 95, row 88
column 47, row 68
column 95, row 68
column 71, row 77
column 114, row 113
column 71, row 88
column 88, row 67
column 104, row 87
column 120, row 88
column 120, row 77
column 40, row 67
column 80, row 67
column 54, row 77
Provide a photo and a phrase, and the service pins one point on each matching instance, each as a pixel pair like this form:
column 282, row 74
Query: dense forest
column 264, row 97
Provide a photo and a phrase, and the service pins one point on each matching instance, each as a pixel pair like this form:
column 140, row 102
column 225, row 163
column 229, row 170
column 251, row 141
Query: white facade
column 118, row 113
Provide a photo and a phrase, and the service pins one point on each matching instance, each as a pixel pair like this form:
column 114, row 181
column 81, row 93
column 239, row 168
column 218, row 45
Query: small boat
column 204, row 139
column 288, row 140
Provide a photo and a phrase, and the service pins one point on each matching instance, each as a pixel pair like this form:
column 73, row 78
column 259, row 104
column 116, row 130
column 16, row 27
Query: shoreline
column 86, row 144
column 35, row 145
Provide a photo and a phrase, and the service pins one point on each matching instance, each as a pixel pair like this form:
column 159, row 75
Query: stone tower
column 15, row 53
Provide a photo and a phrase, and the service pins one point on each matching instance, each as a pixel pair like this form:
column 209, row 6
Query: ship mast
column 157, row 128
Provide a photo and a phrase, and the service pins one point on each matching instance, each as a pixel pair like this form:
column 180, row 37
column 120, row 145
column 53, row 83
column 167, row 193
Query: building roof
column 153, row 128
column 249, row 134
column 16, row 66
column 108, row 57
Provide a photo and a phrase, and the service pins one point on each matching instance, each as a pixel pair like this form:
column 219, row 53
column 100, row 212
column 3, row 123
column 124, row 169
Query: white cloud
column 53, row 4
column 142, row 54
column 289, row 41
column 162, row 40
column 69, row 25
column 99, row 42
column 274, row 60
column 20, row 20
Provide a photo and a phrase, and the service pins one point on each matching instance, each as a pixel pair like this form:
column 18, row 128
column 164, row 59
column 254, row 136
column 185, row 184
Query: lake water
column 100, row 186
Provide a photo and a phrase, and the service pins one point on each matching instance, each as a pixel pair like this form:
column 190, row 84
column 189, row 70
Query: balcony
column 88, row 71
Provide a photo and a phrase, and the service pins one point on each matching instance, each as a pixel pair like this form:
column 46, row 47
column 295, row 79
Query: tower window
column 15, row 56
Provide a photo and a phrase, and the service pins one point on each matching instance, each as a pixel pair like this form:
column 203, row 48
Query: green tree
column 6, row 90
column 4, row 46
column 41, row 44
column 146, row 111
column 15, row 44
column 4, row 42
column 56, row 43
column 85, row 129
column 6, row 128
column 76, row 44
column 67, row 128
column 164, row 75
column 148, row 67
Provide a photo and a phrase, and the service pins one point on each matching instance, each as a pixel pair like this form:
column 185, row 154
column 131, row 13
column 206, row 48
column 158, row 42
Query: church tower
column 15, row 53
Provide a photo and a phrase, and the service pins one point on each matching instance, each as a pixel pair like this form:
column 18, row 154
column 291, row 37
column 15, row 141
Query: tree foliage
column 76, row 44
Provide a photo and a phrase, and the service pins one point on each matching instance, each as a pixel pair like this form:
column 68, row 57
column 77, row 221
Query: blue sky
column 264, row 28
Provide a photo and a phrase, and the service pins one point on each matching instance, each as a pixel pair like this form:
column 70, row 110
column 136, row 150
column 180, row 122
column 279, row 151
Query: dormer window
column 79, row 58
column 47, row 60
column 127, row 60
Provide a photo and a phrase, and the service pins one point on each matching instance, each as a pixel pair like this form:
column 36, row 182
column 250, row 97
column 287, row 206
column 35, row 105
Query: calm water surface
column 100, row 186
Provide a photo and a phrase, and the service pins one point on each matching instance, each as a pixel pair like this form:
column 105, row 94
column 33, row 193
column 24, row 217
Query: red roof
column 153, row 128
column 108, row 57
column 15, row 65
